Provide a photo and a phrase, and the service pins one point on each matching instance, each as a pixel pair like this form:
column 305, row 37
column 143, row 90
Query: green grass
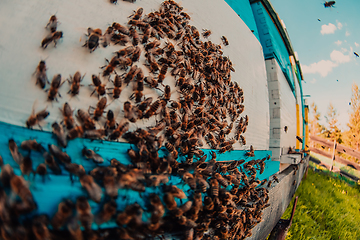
column 327, row 208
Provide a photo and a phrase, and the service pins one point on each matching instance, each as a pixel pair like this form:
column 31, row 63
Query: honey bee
column 40, row 74
column 158, row 208
column 170, row 201
column 26, row 166
column 221, row 180
column 162, row 73
column 32, row 144
column 130, row 112
column 92, row 188
column 64, row 212
column 52, row 24
column 138, row 14
column 95, row 133
column 190, row 180
column 276, row 179
column 85, row 120
column 99, row 110
column 75, row 132
column 225, row 41
column 110, row 184
column 109, row 209
column 39, row 227
column 54, row 88
column 108, row 36
column 90, row 154
column 74, row 169
column 75, row 83
column 120, row 130
column 67, row 113
column 202, row 183
column 110, row 121
column 122, row 29
column 36, row 118
column 63, row 157
column 15, row 153
column 130, row 75
column 136, row 55
column 167, row 93
column 42, row 171
column 51, row 163
column 251, row 152
column 84, row 214
column 153, row 65
column 139, row 23
column 134, row 34
column 93, row 41
column 55, row 36
column 171, row 149
column 225, row 149
column 99, row 87
column 114, row 62
column 146, row 35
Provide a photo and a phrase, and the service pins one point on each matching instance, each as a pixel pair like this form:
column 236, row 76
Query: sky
column 325, row 40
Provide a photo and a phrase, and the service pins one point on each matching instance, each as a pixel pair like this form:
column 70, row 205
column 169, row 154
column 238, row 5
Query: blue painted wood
column 50, row 193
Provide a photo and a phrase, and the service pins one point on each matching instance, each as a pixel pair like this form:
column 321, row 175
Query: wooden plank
column 339, row 147
column 337, row 158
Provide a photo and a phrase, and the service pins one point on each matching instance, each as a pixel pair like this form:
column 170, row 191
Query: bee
column 276, row 179
column 152, row 45
column 99, row 87
column 55, row 36
column 202, row 183
column 125, row 51
column 110, row 121
column 167, row 93
column 63, row 157
column 117, row 89
column 99, row 110
column 26, row 166
column 95, row 133
column 114, row 62
column 52, row 24
column 84, row 214
column 42, row 171
column 75, row 132
column 105, row 215
column 251, row 152
column 74, row 169
column 152, row 82
column 136, row 55
column 108, row 36
column 40, row 74
column 85, row 120
column 158, row 208
column 138, row 14
column 51, row 163
column 90, row 154
column 122, row 29
column 54, row 88
column 138, row 23
column 190, row 180
column 146, row 35
column 123, row 218
column 134, row 34
column 32, row 144
column 15, row 153
column 171, row 149
column 92, row 188
column 120, row 130
column 36, row 118
column 221, row 180
column 39, row 227
column 152, row 64
column 162, row 73
column 169, row 201
column 110, row 184
column 93, row 41
column 130, row 112
column 67, row 113
column 75, row 83
column 130, row 75
column 64, row 212
column 225, row 41
column 125, row 62
column 145, row 104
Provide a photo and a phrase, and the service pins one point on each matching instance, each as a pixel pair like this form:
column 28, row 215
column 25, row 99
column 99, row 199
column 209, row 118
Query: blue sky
column 325, row 50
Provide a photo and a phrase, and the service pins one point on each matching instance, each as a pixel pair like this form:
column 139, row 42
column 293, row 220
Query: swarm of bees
column 225, row 201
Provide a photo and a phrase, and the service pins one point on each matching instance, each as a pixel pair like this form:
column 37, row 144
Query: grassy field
column 327, row 208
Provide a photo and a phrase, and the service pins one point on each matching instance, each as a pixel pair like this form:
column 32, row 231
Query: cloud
column 356, row 44
column 339, row 25
column 344, row 50
column 339, row 57
column 313, row 81
column 322, row 67
column 347, row 33
column 328, row 29
column 338, row 42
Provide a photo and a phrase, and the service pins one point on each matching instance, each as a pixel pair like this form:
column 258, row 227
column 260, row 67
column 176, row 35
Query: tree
column 334, row 133
column 354, row 119
column 316, row 127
